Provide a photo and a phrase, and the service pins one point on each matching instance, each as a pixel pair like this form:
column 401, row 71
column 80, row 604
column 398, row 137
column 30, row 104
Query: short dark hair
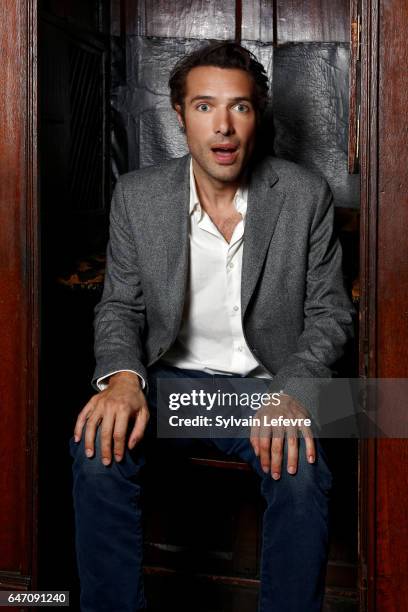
column 221, row 55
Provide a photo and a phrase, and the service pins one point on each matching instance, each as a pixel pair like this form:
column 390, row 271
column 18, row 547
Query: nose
column 223, row 122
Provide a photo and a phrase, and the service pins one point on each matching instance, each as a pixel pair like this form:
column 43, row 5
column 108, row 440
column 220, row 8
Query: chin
column 227, row 174
column 228, row 177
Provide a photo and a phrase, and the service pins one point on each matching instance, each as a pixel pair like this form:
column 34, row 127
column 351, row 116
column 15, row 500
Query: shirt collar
column 240, row 198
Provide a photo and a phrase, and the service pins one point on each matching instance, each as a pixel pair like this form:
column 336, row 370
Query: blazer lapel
column 176, row 236
column 264, row 206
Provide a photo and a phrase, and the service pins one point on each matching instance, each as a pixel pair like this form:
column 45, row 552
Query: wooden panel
column 392, row 525
column 19, row 286
column 368, row 291
column 180, row 19
column 384, row 304
column 392, row 306
column 257, row 20
column 354, row 87
column 312, row 20
column 393, row 192
column 296, row 20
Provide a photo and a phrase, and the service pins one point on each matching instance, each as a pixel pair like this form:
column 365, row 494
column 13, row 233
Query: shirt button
column 230, row 265
column 240, row 348
column 236, row 308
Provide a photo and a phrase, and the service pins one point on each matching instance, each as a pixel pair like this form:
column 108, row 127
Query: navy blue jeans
column 108, row 523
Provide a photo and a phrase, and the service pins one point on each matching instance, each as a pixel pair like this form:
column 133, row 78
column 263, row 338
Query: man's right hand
column 122, row 401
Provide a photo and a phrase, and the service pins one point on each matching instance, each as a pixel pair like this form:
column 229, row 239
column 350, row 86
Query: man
column 218, row 263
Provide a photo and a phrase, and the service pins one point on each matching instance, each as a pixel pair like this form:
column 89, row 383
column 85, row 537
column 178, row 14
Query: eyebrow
column 236, row 99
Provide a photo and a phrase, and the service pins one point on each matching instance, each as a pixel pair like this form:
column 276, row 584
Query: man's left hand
column 267, row 440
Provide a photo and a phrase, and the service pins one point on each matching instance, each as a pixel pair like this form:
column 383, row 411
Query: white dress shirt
column 211, row 337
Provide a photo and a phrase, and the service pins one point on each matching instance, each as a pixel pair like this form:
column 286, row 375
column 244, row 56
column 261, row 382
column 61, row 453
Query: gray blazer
column 296, row 314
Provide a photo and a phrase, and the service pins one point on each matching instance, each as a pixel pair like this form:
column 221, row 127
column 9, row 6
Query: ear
column 179, row 114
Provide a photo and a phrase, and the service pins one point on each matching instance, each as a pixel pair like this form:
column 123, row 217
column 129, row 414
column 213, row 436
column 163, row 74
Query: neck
column 214, row 194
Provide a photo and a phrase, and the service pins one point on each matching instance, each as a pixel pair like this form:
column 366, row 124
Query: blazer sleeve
column 328, row 312
column 120, row 315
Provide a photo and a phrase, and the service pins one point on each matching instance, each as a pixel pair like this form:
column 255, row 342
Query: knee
column 310, row 479
column 82, row 463
column 91, row 467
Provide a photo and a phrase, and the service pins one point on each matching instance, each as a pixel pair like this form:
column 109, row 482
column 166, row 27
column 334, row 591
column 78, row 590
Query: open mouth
column 225, row 154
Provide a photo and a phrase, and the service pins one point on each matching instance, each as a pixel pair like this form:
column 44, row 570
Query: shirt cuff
column 103, row 385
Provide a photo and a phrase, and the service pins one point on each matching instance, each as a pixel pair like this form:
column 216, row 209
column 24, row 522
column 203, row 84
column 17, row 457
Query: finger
column 309, row 443
column 254, row 438
column 265, row 448
column 277, row 452
column 138, row 430
column 107, row 426
column 90, row 432
column 293, row 450
column 119, row 436
column 82, row 417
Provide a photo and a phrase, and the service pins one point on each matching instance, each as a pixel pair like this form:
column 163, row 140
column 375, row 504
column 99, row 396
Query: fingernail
column 88, row 452
column 291, row 470
column 311, row 459
column 118, row 457
column 265, row 469
column 76, row 438
column 275, row 476
column 105, row 461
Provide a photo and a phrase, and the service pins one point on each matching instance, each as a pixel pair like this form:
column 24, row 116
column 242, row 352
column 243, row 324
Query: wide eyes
column 203, row 107
column 242, row 108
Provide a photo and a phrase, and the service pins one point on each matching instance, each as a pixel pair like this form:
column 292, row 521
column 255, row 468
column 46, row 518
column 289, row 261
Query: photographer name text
column 226, row 422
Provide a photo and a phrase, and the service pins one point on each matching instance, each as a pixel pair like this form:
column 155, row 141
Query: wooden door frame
column 19, row 307
column 383, row 525
column 368, row 276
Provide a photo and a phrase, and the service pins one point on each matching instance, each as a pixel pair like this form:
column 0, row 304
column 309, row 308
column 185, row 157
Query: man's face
column 220, row 120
